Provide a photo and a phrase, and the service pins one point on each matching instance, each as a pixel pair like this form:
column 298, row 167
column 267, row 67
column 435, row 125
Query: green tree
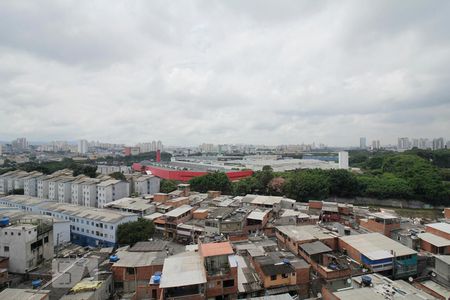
column 133, row 232
column 385, row 186
column 217, row 181
column 307, row 184
column 245, row 186
column 118, row 176
column 167, row 186
column 342, row 183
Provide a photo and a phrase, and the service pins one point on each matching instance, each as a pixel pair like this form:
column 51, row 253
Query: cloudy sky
column 187, row 72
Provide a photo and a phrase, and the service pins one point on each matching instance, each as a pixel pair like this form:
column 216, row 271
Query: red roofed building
column 221, row 269
column 182, row 175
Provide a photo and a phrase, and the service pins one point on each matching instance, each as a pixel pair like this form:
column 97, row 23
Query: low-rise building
column 380, row 254
column 28, row 294
column 167, row 225
column 89, row 226
column 139, row 206
column 293, row 236
column 383, row 223
column 26, row 244
column 376, row 287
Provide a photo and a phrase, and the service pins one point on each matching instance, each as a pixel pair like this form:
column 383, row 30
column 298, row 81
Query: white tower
column 343, row 160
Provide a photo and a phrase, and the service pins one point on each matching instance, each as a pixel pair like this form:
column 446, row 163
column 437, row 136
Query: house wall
column 437, row 232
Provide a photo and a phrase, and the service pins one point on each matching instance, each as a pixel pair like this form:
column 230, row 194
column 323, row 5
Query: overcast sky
column 187, row 72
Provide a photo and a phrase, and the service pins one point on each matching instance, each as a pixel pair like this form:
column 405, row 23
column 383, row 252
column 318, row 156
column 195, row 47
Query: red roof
column 216, row 249
column 187, row 175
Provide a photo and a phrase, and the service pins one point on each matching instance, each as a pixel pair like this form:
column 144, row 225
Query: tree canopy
column 167, row 186
column 133, row 232
column 217, row 181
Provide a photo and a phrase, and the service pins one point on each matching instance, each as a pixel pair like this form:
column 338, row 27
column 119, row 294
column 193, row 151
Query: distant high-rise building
column 423, row 143
column 159, row 146
column 415, row 143
column 20, row 144
column 403, row 143
column 343, row 160
column 82, row 146
column 362, row 143
column 376, row 145
column 438, row 143
column 207, row 148
column 153, row 147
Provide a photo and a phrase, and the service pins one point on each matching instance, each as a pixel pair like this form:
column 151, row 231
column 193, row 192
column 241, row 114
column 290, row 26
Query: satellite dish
column 349, row 280
column 410, row 279
column 319, row 295
column 433, row 274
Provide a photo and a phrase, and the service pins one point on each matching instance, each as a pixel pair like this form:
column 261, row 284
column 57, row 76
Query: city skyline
column 224, row 72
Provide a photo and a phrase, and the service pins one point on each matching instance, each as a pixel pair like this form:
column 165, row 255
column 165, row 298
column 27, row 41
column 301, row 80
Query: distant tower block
column 158, row 155
column 343, row 160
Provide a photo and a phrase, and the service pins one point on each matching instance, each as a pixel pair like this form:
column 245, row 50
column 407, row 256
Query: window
column 6, row 248
column 46, row 239
column 284, row 275
column 273, row 277
column 228, row 283
column 130, row 270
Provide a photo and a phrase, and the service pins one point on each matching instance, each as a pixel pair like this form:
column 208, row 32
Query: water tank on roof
column 156, row 279
column 4, row 222
column 366, row 280
column 113, row 258
column 36, row 283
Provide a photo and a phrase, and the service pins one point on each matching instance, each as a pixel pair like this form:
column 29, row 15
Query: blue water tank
column 366, row 280
column 4, row 221
column 36, row 283
column 113, row 258
column 158, row 273
column 333, row 266
column 156, row 279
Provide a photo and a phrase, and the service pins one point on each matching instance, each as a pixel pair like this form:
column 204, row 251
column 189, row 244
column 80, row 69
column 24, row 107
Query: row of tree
column 129, row 160
column 53, row 166
column 397, row 176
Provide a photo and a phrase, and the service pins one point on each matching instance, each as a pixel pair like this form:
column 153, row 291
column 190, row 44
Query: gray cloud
column 224, row 71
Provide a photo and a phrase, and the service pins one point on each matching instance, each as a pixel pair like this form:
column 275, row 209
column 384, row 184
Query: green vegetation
column 133, row 232
column 118, row 176
column 217, row 181
column 167, row 186
column 413, row 175
column 129, row 160
column 53, row 166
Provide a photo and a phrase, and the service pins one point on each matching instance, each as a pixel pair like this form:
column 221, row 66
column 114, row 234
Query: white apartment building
column 26, row 245
column 146, row 185
column 111, row 190
column 4, row 181
column 53, row 189
column 89, row 192
column 43, row 182
column 77, row 191
column 65, row 189
column 15, row 180
column 30, row 184
column 106, row 170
